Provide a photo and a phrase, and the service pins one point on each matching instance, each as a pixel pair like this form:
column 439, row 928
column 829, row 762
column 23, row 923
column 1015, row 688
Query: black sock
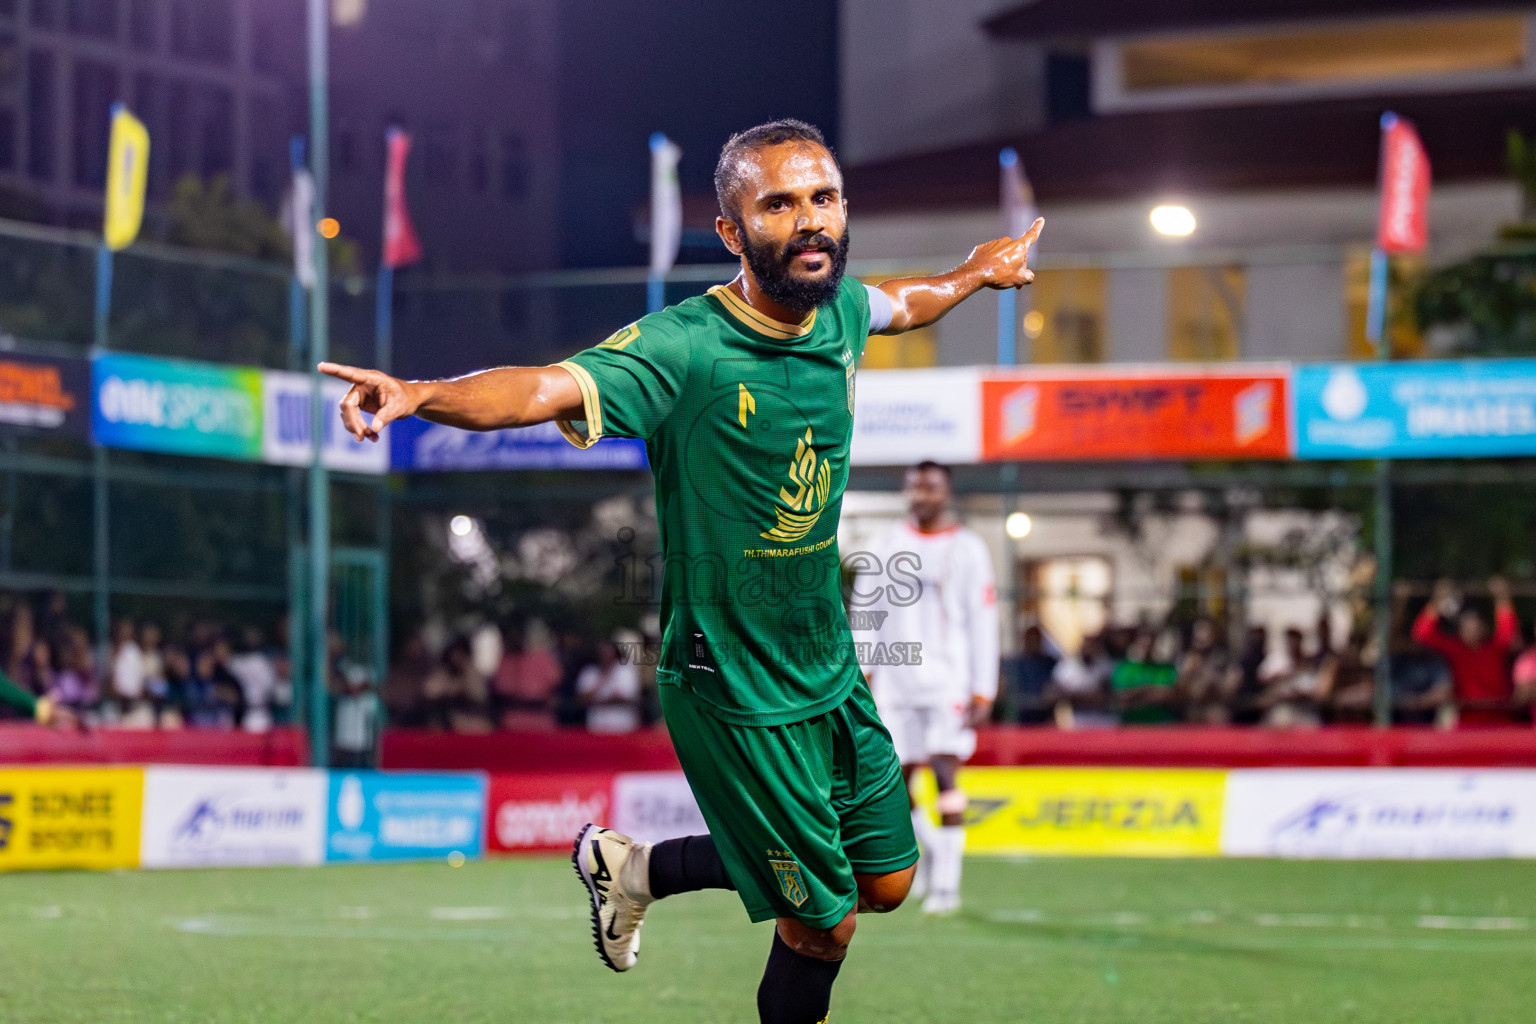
column 796, row 989
column 687, row 865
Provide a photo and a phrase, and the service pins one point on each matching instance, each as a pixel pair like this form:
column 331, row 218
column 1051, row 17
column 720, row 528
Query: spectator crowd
column 1456, row 662
column 1452, row 664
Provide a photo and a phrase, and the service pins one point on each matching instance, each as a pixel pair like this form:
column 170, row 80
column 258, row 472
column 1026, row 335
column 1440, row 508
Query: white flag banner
column 300, row 224
column 666, row 204
column 1019, row 210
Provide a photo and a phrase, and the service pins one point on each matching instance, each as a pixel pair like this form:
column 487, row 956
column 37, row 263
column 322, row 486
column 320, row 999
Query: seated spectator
column 127, row 685
column 1207, row 676
column 402, row 695
column 610, row 689
column 210, row 695
column 1079, row 689
column 1479, row 660
column 156, row 686
column 1032, row 674
column 1248, row 688
column 174, row 714
column 256, row 675
column 35, row 674
column 1145, row 683
column 74, row 681
column 1297, row 684
column 526, row 684
column 455, row 695
column 1525, row 680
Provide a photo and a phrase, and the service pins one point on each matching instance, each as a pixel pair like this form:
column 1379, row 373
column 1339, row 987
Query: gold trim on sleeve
column 591, row 404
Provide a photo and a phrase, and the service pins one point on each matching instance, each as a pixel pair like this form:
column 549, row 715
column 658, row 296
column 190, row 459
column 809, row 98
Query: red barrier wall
column 28, row 744
column 651, row 750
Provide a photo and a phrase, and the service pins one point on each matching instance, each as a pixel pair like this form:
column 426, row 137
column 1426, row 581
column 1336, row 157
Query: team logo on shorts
column 790, row 882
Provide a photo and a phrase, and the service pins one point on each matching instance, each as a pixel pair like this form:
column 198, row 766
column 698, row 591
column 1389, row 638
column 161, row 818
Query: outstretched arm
column 919, row 301
column 509, row 396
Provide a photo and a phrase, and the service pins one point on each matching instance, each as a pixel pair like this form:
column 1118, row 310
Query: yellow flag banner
column 127, row 175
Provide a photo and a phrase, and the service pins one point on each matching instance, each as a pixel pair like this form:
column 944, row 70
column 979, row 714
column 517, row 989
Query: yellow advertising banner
column 1111, row 812
column 70, row 817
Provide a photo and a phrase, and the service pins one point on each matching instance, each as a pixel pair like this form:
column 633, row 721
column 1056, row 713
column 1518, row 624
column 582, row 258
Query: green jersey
column 747, row 423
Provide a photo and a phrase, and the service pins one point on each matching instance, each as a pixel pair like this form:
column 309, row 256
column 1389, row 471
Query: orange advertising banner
column 1162, row 413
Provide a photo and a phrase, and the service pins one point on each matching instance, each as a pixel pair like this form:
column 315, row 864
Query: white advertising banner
column 287, row 426
column 651, row 806
column 906, row 416
column 197, row 817
column 1388, row 814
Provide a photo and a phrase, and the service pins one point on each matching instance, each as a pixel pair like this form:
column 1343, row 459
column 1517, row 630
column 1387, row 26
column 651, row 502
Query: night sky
column 695, row 69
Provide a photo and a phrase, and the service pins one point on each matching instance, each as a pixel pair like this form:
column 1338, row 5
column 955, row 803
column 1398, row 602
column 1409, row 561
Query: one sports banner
column 539, row 812
column 1416, row 409
column 401, row 246
column 127, row 176
column 175, row 406
column 1077, row 414
column 208, row 817
column 1403, row 226
column 287, row 426
column 905, row 416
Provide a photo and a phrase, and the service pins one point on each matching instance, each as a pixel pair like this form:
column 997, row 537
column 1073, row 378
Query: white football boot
column 616, row 871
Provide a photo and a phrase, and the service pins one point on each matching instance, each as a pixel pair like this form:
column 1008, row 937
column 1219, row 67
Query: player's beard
column 770, row 265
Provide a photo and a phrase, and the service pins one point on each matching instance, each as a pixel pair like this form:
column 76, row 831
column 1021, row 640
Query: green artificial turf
column 1044, row 942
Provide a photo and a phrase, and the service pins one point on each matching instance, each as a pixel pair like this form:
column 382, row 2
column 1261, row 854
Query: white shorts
column 921, row 731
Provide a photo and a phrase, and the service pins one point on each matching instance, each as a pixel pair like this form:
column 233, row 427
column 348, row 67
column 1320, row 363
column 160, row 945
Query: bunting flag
column 300, row 221
column 666, row 204
column 127, row 176
column 401, row 246
column 1404, row 220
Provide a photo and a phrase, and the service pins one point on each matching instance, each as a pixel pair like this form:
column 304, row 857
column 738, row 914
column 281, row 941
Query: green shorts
column 796, row 810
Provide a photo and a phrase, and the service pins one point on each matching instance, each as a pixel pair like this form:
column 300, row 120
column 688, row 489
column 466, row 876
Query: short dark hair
column 927, row 464
column 727, row 168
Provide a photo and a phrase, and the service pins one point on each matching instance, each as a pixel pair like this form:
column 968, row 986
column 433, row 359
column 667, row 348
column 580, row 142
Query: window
column 94, row 89
column 203, row 29
column 479, row 164
column 45, row 13
column 218, row 119
column 40, row 115
column 94, row 18
column 514, row 168
column 144, row 24
column 1067, row 323
column 7, row 138
column 10, row 60
column 7, row 8
column 1340, row 59
column 179, row 145
column 346, row 151
column 440, row 156
column 1205, row 312
column 147, row 99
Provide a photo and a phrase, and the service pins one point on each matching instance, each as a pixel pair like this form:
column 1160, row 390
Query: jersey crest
column 791, row 882
column 811, row 479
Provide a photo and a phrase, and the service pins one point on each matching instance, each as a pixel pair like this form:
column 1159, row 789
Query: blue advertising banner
column 1408, row 410
column 377, row 816
column 419, row 445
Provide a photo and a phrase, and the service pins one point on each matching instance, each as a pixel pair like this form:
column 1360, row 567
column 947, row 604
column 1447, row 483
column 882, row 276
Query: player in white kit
column 932, row 578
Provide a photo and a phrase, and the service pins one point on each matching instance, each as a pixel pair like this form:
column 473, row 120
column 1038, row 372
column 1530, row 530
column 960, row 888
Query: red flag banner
column 401, row 246
column 1404, row 224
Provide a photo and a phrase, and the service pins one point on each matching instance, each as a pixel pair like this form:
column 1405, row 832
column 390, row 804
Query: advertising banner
column 204, row 817
column 46, row 394
column 419, row 445
column 1161, row 413
column 1388, row 814
column 1409, row 410
column 182, row 408
column 651, row 806
column 1109, row 812
column 287, row 426
column 537, row 812
column 70, row 818
column 376, row 816
column 905, row 416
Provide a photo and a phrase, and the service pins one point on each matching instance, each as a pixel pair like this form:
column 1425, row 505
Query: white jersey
column 927, row 605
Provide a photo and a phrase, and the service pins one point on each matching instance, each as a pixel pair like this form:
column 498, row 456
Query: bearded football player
column 744, row 397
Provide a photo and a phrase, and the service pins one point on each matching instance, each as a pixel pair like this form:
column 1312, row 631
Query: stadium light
column 461, row 526
column 1174, row 221
column 1018, row 525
